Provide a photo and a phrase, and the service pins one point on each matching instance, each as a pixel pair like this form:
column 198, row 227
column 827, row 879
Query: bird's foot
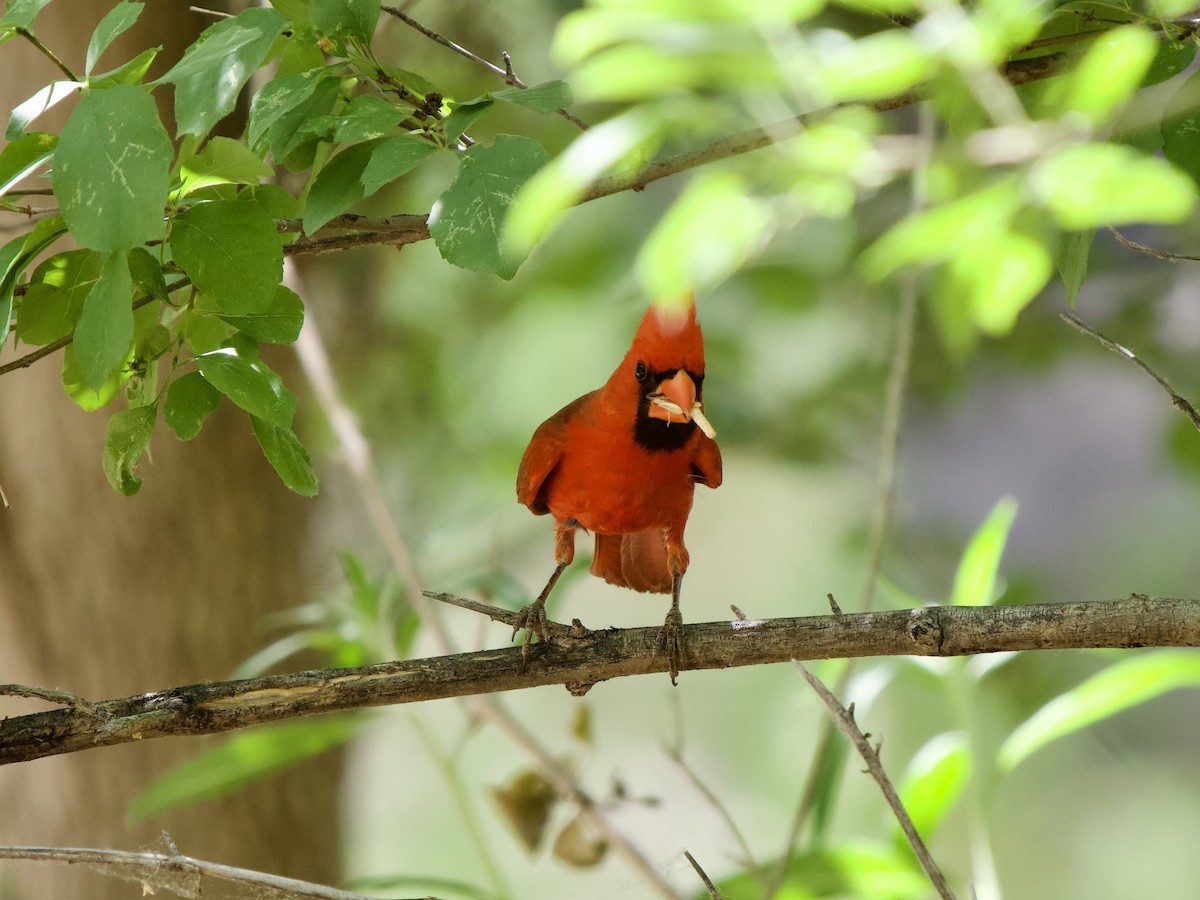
column 670, row 641
column 534, row 621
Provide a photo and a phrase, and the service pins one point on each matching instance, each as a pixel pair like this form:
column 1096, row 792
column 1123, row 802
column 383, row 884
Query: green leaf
column 394, row 157
column 1171, row 58
column 55, row 296
column 1110, row 72
column 116, row 22
column 279, row 323
column 466, row 221
column 17, row 254
column 1072, row 260
column 543, row 98
column 111, row 169
column 25, row 156
column 338, row 186
column 88, row 398
column 1181, row 127
column 1090, row 185
column 287, row 455
column 859, row 869
column 942, row 232
column 21, row 13
column 975, row 580
column 190, row 400
column 1112, row 690
column 934, row 782
column 709, row 233
column 131, row 72
column 214, row 69
column 232, row 252
column 367, row 117
column 879, row 65
column 1000, row 278
column 222, row 161
column 8, row 255
column 345, row 18
column 241, row 759
column 147, row 274
column 277, row 98
column 128, row 435
column 289, row 139
column 250, row 384
column 105, row 330
column 463, row 116
column 44, row 99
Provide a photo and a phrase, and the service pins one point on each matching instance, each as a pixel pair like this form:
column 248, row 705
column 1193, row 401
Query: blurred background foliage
column 803, row 252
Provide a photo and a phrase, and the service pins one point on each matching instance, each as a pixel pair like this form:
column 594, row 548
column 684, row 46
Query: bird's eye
column 640, row 372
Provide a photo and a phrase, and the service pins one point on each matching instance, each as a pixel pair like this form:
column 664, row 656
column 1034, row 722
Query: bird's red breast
column 623, row 461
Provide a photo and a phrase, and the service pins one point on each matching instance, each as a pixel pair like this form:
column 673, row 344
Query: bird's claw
column 534, row 621
column 670, row 640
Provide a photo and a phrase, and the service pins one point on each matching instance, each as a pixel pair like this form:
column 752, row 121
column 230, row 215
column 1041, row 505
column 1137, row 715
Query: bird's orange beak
column 675, row 401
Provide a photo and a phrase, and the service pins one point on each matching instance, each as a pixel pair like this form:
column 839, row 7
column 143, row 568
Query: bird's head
column 665, row 369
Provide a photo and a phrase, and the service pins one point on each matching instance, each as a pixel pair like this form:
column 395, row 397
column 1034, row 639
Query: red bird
column 622, row 462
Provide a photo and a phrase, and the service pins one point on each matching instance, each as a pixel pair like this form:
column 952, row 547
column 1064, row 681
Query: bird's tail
column 637, row 560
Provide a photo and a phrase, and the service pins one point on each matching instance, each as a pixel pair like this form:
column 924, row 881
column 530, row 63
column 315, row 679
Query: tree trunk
column 104, row 595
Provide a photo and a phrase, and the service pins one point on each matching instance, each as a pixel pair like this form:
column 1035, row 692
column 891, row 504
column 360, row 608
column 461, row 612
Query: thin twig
column 845, row 722
column 676, row 755
column 216, row 14
column 181, row 875
column 507, row 73
column 1180, row 402
column 712, row 888
column 51, row 695
column 1151, row 251
column 4, row 497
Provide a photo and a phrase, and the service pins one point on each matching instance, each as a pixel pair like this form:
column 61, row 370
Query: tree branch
column 580, row 662
column 183, row 876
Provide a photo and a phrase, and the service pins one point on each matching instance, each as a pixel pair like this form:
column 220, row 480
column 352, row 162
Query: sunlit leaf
column 25, row 156
column 345, row 18
column 544, row 98
column 1119, row 687
column 55, row 296
column 711, row 231
column 1089, row 185
column 846, row 869
column 975, row 580
column 1110, row 72
column 934, row 782
column 1000, row 278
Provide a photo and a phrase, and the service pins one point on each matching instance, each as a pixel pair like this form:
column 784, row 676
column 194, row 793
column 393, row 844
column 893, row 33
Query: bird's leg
column 670, row 638
column 533, row 617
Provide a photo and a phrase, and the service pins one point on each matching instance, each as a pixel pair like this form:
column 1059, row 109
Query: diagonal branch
column 846, row 724
column 582, row 661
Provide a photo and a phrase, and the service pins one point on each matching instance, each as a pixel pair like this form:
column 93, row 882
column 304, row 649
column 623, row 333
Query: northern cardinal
column 622, row 462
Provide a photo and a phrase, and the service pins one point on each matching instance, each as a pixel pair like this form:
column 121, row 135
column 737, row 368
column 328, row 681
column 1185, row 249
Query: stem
column 47, row 52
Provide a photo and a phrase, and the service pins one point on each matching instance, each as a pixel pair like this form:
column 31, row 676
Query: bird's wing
column 545, row 449
column 706, row 463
